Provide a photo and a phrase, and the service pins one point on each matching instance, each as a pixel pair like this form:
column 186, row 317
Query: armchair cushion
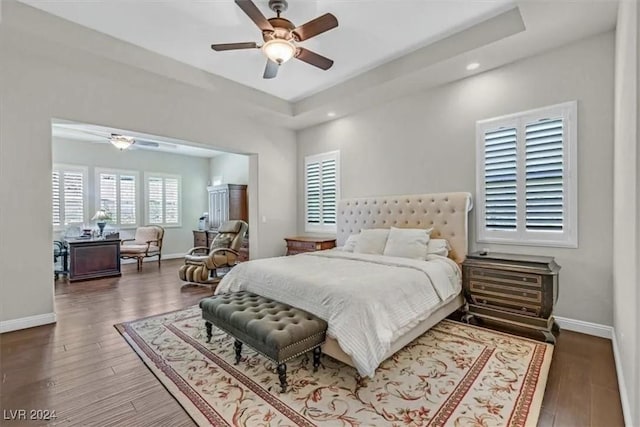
column 145, row 234
column 138, row 249
column 222, row 240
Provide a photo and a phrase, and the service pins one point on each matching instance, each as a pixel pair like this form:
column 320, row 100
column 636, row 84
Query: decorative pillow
column 372, row 241
column 222, row 240
column 350, row 243
column 407, row 243
column 438, row 247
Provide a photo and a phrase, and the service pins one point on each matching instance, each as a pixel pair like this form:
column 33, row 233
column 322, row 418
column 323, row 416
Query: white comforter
column 367, row 300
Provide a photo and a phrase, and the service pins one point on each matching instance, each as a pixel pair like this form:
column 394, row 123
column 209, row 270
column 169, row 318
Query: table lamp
column 101, row 218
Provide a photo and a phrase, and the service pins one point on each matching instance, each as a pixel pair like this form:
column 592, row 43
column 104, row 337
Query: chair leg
column 139, row 263
column 159, row 260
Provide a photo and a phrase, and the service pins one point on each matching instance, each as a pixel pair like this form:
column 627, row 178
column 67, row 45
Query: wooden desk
column 299, row 244
column 93, row 258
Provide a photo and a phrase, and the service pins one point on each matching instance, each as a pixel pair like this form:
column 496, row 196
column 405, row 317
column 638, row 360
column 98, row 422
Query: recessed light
column 473, row 66
column 331, row 114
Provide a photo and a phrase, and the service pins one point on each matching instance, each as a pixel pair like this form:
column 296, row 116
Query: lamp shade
column 279, row 50
column 101, row 215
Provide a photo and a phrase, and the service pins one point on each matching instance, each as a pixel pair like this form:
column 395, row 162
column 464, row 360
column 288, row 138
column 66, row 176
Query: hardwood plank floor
column 84, row 370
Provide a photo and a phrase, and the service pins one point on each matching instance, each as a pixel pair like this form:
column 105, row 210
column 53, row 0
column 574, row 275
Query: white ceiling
column 100, row 135
column 371, row 32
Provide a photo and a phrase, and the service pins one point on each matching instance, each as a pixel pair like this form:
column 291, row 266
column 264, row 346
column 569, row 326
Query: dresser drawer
column 505, row 291
column 506, row 304
column 508, row 278
column 301, row 246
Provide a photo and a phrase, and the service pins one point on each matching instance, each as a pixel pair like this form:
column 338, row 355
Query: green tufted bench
column 276, row 330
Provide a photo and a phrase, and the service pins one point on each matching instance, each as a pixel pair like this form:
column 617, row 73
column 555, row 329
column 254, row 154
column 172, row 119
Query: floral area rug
column 453, row 375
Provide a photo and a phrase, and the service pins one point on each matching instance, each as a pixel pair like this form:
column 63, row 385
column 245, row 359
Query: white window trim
column 569, row 239
column 148, row 175
column 321, row 228
column 85, row 192
column 119, row 172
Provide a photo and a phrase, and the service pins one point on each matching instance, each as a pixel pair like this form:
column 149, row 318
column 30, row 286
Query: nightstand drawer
column 302, row 246
column 505, row 304
column 505, row 291
column 505, row 277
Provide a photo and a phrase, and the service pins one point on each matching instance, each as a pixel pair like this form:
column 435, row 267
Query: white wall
column 626, row 229
column 194, row 172
column 41, row 79
column 233, row 168
column 426, row 143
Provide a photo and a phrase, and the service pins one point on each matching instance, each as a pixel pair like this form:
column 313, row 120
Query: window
column 163, row 199
column 117, row 193
column 527, row 178
column 322, row 191
column 68, row 188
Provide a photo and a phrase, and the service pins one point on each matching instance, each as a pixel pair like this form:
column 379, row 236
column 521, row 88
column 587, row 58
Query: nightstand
column 515, row 290
column 299, row 244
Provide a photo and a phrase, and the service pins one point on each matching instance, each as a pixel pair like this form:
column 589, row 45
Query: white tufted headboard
column 446, row 213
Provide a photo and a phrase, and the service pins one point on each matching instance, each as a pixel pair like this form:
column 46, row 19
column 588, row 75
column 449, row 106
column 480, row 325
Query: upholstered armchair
column 146, row 243
column 201, row 264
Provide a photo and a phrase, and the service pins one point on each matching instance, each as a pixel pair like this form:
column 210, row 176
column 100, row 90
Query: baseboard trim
column 27, row 322
column 624, row 398
column 589, row 328
column 168, row 256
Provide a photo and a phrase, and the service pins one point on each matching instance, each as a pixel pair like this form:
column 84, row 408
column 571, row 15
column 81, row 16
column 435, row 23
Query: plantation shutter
column 128, row 200
column 500, row 179
column 544, row 175
column 329, row 191
column 55, row 191
column 73, row 186
column 313, row 193
column 322, row 191
column 155, row 200
column 108, row 186
column 171, row 201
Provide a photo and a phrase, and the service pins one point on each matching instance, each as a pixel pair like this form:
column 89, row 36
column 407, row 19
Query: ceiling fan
column 123, row 142
column 281, row 37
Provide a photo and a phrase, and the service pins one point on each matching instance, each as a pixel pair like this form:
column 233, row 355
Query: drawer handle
column 484, row 301
column 524, row 308
column 524, row 294
column 481, row 287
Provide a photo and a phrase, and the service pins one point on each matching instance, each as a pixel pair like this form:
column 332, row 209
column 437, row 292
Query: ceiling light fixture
column 473, row 66
column 331, row 114
column 279, row 50
column 121, row 142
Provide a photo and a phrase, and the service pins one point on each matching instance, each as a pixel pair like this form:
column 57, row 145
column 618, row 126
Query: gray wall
column 41, row 79
column 426, row 143
column 626, row 205
column 193, row 170
column 233, row 168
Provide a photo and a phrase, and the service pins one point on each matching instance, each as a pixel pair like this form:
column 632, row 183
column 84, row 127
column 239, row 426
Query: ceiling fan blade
column 233, row 46
column 271, row 70
column 316, row 26
column 313, row 58
column 146, row 143
column 254, row 13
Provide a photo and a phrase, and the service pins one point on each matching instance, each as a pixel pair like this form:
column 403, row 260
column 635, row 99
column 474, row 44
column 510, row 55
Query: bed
column 375, row 305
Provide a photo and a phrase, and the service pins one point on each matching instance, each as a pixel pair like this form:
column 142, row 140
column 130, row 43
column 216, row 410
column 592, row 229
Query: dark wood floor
column 84, row 370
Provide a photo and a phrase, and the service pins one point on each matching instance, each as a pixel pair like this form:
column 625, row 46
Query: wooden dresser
column 517, row 290
column 205, row 237
column 299, row 244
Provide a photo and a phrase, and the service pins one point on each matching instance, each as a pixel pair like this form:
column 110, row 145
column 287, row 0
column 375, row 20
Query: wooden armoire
column 227, row 202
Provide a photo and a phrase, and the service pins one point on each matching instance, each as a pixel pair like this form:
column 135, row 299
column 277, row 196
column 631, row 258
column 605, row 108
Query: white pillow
column 407, row 243
column 438, row 247
column 372, row 241
column 350, row 243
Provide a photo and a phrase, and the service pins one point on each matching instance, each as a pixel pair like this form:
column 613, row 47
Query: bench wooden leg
column 238, row 346
column 282, row 374
column 317, row 352
column 208, row 325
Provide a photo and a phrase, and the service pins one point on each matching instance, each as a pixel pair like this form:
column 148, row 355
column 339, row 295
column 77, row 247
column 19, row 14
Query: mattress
column 368, row 301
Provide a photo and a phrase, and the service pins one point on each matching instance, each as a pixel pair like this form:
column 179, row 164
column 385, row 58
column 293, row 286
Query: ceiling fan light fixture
column 121, row 142
column 279, row 50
